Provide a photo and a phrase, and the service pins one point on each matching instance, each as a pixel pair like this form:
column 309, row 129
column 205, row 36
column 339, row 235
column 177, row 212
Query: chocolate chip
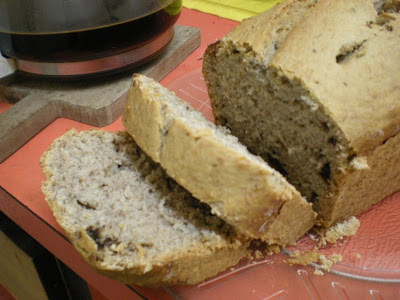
column 326, row 172
column 276, row 164
column 332, row 140
column 313, row 197
column 94, row 233
column 85, row 205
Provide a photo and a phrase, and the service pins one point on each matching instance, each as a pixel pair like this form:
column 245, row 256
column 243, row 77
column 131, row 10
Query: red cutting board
column 370, row 268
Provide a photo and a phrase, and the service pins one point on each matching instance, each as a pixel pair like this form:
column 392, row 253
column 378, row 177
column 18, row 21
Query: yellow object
column 174, row 8
column 231, row 9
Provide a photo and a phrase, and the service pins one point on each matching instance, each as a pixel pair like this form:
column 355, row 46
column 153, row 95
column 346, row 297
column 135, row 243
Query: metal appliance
column 70, row 38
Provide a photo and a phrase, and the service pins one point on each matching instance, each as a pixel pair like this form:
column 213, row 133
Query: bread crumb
column 340, row 230
column 260, row 250
column 273, row 249
column 319, row 261
column 313, row 237
column 359, row 163
column 258, row 254
column 304, row 259
column 335, row 258
column 336, row 232
column 326, row 263
column 318, row 272
column 249, row 255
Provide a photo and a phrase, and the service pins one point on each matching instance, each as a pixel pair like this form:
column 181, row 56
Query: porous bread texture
column 312, row 87
column 127, row 219
column 210, row 163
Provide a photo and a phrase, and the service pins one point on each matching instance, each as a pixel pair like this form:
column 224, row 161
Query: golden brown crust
column 187, row 269
column 287, row 224
column 354, row 48
column 184, row 268
column 368, row 185
column 237, row 189
column 273, row 23
column 146, row 134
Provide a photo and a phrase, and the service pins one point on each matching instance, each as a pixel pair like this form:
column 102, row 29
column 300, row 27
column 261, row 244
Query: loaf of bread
column 212, row 165
column 313, row 87
column 127, row 219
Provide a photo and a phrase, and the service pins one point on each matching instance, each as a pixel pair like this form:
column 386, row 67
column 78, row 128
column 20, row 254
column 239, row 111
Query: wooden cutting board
column 96, row 102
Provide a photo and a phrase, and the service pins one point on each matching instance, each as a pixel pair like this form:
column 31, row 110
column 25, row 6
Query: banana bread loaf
column 313, row 87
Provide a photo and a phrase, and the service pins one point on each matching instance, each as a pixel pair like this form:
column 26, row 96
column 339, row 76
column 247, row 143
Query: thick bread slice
column 312, row 87
column 127, row 219
column 210, row 163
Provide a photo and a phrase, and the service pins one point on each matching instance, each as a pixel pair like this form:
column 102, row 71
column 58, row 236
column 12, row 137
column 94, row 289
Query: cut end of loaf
column 127, row 218
column 275, row 118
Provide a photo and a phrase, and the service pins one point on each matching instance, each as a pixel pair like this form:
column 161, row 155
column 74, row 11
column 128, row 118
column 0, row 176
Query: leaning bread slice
column 210, row 163
column 127, row 219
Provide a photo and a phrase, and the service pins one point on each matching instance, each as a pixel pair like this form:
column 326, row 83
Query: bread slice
column 312, row 87
column 127, row 219
column 210, row 163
